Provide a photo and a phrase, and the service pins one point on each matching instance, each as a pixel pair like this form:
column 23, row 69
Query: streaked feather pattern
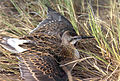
column 40, row 51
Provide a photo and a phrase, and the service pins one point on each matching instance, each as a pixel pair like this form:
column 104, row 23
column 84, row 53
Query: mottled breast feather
column 42, row 48
column 38, row 62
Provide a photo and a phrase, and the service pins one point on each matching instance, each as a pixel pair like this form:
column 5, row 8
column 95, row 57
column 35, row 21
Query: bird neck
column 69, row 51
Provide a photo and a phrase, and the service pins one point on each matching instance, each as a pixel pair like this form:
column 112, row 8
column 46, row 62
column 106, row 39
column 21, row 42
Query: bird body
column 38, row 62
column 41, row 50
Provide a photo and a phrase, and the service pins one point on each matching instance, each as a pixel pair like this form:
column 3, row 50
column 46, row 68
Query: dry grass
column 99, row 18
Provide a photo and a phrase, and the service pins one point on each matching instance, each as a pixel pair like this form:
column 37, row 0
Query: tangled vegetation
column 100, row 57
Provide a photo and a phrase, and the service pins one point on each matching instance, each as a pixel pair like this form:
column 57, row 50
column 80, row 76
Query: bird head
column 68, row 42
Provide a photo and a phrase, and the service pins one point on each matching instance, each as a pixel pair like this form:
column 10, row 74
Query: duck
column 47, row 46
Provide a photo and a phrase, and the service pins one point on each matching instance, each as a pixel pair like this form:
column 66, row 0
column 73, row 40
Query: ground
column 18, row 17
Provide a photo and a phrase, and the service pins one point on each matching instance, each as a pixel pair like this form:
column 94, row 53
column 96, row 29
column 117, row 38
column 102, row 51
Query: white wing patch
column 12, row 44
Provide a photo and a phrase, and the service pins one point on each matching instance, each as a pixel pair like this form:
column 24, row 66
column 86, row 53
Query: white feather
column 12, row 44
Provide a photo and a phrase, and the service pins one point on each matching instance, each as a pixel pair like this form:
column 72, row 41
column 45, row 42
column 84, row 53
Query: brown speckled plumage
column 49, row 43
column 38, row 62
